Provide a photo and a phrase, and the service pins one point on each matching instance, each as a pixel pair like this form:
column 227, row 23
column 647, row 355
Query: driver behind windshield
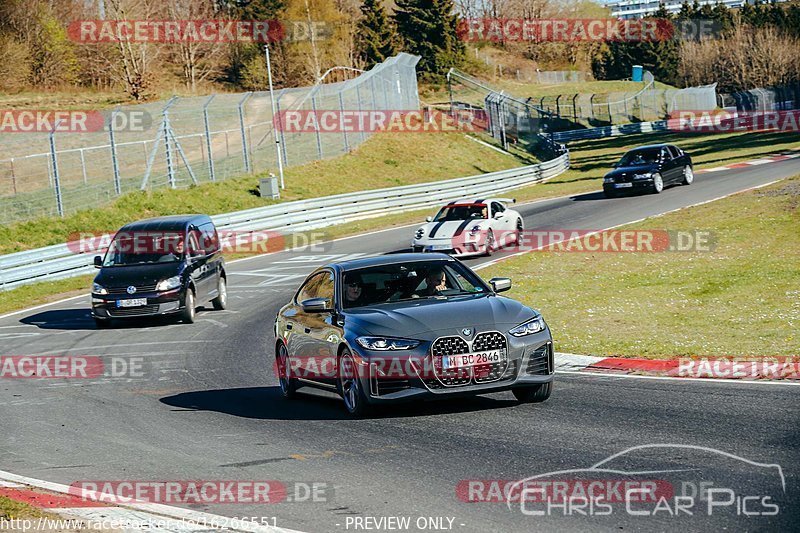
column 640, row 158
column 354, row 291
column 174, row 253
column 462, row 212
column 435, row 283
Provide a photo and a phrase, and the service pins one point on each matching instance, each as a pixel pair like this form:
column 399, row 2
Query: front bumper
column 530, row 364
column 104, row 306
column 622, row 188
column 454, row 247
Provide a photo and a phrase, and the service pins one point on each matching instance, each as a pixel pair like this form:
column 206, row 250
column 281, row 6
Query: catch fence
column 187, row 141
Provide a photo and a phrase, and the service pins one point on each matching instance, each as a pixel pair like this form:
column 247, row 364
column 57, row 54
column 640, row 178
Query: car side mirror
column 615, row 165
column 316, row 305
column 500, row 284
column 98, row 261
column 498, row 215
column 428, row 218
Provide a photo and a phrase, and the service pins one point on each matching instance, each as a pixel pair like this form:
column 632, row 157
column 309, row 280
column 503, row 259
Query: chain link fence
column 585, row 110
column 783, row 98
column 187, row 141
column 555, row 77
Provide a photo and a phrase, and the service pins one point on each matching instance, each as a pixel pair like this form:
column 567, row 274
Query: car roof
column 388, row 259
column 168, row 223
column 649, row 146
column 471, row 200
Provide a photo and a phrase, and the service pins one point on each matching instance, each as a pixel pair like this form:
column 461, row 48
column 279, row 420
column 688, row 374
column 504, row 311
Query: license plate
column 132, row 302
column 472, row 359
column 623, row 185
column 438, row 247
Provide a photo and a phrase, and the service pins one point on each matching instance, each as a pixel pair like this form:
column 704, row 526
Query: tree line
column 755, row 46
column 38, row 53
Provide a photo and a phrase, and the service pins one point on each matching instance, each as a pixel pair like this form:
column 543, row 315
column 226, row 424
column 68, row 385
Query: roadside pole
column 275, row 120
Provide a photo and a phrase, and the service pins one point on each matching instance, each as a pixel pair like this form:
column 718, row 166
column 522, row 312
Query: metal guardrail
column 63, row 261
column 609, row 131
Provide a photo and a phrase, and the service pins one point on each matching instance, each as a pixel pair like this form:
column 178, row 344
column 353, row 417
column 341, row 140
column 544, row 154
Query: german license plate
column 472, row 359
column 438, row 247
column 132, row 302
column 623, row 185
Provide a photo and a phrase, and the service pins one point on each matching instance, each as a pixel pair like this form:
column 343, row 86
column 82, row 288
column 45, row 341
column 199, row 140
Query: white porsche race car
column 470, row 227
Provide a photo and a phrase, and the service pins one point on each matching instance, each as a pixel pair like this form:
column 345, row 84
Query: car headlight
column 529, row 328
column 645, row 176
column 608, row 179
column 383, row 344
column 98, row 289
column 168, row 284
column 420, row 232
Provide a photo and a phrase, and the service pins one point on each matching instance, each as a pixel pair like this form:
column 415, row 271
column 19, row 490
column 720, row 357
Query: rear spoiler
column 507, row 200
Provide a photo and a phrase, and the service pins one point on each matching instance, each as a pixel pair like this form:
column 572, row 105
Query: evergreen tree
column 687, row 12
column 429, row 29
column 723, row 16
column 793, row 20
column 376, row 38
column 246, row 67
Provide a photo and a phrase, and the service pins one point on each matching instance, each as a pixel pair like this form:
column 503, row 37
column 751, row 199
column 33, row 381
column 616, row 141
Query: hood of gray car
column 429, row 318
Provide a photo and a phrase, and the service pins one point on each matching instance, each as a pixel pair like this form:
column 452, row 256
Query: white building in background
column 634, row 9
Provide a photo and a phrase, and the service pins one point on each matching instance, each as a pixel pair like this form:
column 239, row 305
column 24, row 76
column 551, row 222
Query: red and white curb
column 85, row 509
column 774, row 370
column 783, row 156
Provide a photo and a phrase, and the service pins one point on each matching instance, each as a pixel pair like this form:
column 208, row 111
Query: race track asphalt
column 207, row 407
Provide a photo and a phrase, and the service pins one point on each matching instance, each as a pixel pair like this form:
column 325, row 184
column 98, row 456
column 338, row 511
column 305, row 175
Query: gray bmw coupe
column 410, row 326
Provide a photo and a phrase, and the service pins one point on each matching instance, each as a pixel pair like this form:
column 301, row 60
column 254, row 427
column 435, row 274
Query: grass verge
column 741, row 299
column 11, row 509
column 386, row 160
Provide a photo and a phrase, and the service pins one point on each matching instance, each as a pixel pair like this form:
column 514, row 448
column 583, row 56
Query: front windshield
column 408, row 281
column 462, row 212
column 638, row 158
column 138, row 248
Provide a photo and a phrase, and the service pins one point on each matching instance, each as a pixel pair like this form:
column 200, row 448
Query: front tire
column 518, row 232
column 688, row 175
column 658, row 183
column 490, row 244
column 349, row 385
column 189, row 310
column 288, row 385
column 220, row 303
column 536, row 394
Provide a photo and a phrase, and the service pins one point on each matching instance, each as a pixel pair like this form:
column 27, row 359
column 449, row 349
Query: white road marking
column 44, row 305
column 159, row 511
column 18, row 335
column 678, row 379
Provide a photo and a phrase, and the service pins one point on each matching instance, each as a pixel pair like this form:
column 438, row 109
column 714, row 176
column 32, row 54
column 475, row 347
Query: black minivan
column 160, row 266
